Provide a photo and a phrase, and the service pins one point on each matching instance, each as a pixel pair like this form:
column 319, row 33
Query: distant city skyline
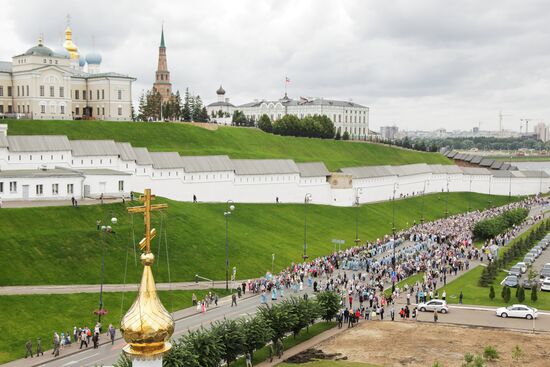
column 419, row 65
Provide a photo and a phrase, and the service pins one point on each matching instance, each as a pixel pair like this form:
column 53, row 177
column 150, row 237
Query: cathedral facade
column 46, row 85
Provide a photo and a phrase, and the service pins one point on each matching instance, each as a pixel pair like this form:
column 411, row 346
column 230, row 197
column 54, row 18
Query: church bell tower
column 162, row 76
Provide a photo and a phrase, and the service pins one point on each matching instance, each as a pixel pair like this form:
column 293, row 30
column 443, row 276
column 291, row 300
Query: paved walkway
column 41, row 203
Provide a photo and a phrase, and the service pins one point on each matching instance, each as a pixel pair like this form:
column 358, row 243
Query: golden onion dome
column 69, row 45
column 147, row 325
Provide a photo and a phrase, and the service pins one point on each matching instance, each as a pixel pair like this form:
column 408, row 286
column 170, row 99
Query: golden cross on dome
column 68, row 20
column 146, row 209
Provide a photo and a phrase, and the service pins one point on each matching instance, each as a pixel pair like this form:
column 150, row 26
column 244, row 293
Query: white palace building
column 56, row 168
column 43, row 84
column 345, row 115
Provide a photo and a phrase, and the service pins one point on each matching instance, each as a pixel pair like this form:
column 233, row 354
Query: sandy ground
column 421, row 345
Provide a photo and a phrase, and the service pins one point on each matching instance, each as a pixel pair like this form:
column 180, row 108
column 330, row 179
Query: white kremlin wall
column 55, row 168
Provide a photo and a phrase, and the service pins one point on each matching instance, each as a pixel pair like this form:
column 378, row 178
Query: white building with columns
column 47, row 85
column 347, row 116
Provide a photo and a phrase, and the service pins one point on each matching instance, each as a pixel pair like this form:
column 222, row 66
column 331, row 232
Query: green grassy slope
column 60, row 245
column 235, row 142
column 41, row 315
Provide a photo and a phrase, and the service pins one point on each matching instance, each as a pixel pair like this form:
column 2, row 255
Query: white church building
column 48, row 85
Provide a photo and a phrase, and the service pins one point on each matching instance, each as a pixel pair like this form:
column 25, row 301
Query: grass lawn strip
column 62, row 246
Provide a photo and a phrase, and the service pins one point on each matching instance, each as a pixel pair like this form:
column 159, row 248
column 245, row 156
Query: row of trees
column 516, row 250
column 226, row 340
column 190, row 109
column 316, row 126
column 480, row 143
column 492, row 227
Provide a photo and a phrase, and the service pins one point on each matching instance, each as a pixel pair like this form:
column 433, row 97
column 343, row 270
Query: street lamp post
column 307, row 199
column 395, row 187
column 226, row 214
column 510, row 181
column 426, row 183
column 357, row 193
column 470, row 196
column 104, row 231
column 447, row 199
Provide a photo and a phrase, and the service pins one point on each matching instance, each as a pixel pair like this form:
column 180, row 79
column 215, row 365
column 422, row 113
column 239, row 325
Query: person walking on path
column 39, row 350
column 55, row 344
column 460, row 298
column 83, row 339
column 248, row 359
column 435, row 316
column 95, row 340
column 233, row 300
column 112, row 332
column 28, row 347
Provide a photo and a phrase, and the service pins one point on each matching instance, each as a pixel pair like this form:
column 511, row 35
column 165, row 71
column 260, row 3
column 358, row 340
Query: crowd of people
column 365, row 276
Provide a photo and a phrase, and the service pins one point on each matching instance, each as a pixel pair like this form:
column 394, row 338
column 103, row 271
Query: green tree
column 490, row 353
column 329, row 304
column 338, row 135
column 264, row 123
column 521, row 294
column 492, row 293
column 506, row 294
column 186, row 109
column 239, row 119
column 534, row 296
column 232, row 338
column 287, row 125
column 256, row 333
column 205, row 345
column 345, row 136
column 279, row 319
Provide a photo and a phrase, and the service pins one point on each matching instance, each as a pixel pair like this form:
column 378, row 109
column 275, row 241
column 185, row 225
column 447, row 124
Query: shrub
column 264, row 123
column 517, row 354
column 521, row 294
column 490, row 228
column 534, row 296
column 490, row 353
column 492, row 293
column 506, row 294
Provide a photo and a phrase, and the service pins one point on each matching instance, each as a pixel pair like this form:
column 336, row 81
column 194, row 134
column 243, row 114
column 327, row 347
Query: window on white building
column 1, row 91
column 55, row 189
column 1, row 187
column 27, row 90
column 52, row 91
column 119, row 94
column 42, row 109
column 62, row 110
column 41, row 91
column 120, row 185
column 39, row 190
column 70, row 188
column 76, row 94
column 13, row 187
column 120, row 111
column 61, row 92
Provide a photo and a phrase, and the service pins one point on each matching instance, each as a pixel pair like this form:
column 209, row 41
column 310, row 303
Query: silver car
column 515, row 270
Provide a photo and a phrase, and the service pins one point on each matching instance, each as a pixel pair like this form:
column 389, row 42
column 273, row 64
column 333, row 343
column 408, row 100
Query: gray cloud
column 419, row 64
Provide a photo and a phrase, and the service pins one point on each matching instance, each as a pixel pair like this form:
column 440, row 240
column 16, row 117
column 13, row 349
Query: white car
column 434, row 304
column 522, row 266
column 545, row 284
column 520, row 311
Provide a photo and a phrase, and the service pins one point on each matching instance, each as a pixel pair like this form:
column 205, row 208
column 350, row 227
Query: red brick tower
column 162, row 81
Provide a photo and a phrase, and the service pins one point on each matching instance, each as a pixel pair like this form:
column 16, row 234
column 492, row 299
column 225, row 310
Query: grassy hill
column 235, row 142
column 60, row 245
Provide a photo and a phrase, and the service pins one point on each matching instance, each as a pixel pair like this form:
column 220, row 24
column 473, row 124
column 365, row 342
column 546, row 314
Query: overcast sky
column 421, row 64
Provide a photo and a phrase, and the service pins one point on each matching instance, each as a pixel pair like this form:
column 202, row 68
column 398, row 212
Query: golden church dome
column 69, row 45
column 147, row 325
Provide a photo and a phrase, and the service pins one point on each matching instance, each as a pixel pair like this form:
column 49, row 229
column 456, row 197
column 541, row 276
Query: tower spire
column 162, row 37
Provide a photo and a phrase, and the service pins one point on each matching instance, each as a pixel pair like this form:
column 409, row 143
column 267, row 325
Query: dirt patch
column 313, row 354
column 422, row 344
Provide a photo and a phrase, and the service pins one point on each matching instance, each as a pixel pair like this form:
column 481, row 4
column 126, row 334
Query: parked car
column 538, row 250
column 529, row 259
column 545, row 285
column 520, row 311
column 434, row 304
column 545, row 271
column 510, row 281
column 522, row 266
column 515, row 270
column 533, row 252
column 544, row 244
column 528, row 284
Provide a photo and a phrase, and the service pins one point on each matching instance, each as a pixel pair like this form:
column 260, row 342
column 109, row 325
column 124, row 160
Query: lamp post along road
column 426, row 183
column 226, row 214
column 307, row 199
column 395, row 187
column 357, row 193
column 447, row 198
column 104, row 230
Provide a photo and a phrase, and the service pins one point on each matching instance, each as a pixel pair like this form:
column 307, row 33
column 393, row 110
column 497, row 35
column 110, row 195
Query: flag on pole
column 287, row 80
